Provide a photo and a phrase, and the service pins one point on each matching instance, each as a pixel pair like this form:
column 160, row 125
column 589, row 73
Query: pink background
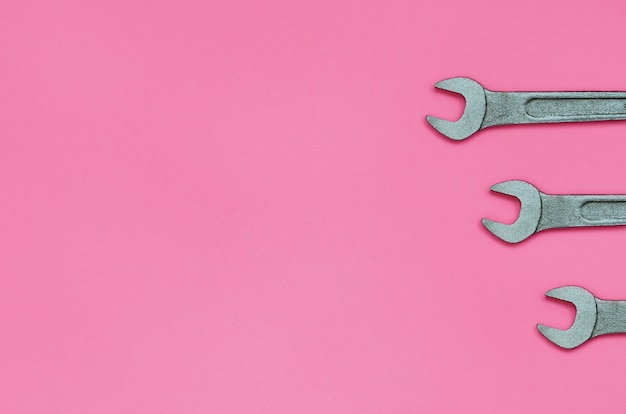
column 238, row 207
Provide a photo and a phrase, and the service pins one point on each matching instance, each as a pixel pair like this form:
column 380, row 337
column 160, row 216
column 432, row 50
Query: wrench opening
column 529, row 216
column 584, row 322
column 473, row 115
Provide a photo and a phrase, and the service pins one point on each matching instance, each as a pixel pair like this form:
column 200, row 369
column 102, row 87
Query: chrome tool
column 594, row 317
column 541, row 211
column 485, row 108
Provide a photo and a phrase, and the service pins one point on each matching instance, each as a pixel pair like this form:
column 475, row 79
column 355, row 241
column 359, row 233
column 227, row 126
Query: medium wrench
column 594, row 317
column 541, row 211
column 485, row 108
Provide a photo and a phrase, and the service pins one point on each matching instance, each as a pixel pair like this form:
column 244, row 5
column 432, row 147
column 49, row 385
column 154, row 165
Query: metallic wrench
column 485, row 108
column 594, row 317
column 541, row 211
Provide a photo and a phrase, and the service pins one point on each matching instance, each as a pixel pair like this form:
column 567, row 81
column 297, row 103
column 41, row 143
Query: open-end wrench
column 594, row 317
column 541, row 211
column 485, row 108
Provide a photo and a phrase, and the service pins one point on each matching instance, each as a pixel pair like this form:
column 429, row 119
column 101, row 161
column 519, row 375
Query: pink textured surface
column 238, row 207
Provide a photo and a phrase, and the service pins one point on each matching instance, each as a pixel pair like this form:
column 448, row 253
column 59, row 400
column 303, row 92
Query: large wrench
column 593, row 317
column 541, row 211
column 485, row 108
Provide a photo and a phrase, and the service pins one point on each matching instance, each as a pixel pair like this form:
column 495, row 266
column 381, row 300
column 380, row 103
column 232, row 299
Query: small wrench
column 485, row 108
column 541, row 211
column 594, row 317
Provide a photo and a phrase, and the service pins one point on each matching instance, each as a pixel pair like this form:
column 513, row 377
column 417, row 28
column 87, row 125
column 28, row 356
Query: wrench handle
column 559, row 211
column 553, row 107
column 611, row 317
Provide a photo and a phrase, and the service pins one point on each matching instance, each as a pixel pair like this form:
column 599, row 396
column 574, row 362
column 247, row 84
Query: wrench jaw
column 475, row 109
column 584, row 323
column 529, row 216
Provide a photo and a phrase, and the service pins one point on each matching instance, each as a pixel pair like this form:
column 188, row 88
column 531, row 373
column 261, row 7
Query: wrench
column 541, row 211
column 594, row 317
column 485, row 108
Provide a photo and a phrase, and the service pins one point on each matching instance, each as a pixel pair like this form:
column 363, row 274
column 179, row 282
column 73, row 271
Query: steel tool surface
column 594, row 317
column 485, row 108
column 541, row 211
